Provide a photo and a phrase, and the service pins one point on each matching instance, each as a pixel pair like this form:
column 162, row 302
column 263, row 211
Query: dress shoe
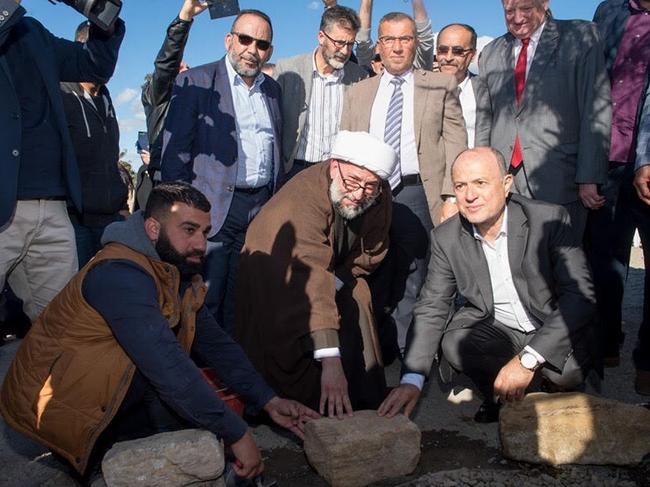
column 488, row 412
column 642, row 382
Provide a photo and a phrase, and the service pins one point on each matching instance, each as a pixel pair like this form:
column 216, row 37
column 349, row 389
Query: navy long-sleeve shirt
column 126, row 297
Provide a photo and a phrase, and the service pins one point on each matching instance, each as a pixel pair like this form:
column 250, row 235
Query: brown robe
column 287, row 303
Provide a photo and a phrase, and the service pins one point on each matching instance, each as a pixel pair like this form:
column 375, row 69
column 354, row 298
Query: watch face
column 529, row 361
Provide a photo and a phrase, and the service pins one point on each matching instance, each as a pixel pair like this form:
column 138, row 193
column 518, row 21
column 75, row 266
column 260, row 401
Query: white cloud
column 314, row 5
column 126, row 96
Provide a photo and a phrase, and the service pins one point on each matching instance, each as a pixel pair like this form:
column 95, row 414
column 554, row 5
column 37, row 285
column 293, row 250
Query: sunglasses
column 457, row 51
column 246, row 40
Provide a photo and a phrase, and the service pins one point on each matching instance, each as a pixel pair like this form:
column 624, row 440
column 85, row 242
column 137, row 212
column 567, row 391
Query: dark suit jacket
column 57, row 60
column 200, row 137
column 549, row 271
column 564, row 119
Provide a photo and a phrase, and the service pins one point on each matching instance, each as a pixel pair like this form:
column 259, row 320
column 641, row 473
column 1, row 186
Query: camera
column 102, row 13
column 221, row 8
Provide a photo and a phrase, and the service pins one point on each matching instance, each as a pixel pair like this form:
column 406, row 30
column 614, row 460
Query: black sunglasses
column 246, row 40
column 457, row 51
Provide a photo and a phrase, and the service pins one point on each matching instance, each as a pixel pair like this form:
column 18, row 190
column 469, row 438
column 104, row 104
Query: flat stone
column 362, row 449
column 168, row 459
column 564, row 428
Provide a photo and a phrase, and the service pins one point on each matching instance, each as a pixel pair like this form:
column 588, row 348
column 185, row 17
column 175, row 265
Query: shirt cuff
column 322, row 353
column 338, row 283
column 416, row 380
column 539, row 358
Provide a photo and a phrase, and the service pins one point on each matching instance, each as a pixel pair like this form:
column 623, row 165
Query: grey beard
column 336, row 196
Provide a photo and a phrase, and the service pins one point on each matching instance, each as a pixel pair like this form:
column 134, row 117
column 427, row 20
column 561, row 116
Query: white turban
column 365, row 150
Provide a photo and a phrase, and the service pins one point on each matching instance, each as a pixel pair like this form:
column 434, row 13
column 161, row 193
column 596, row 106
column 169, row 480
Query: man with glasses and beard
column 222, row 135
column 109, row 358
column 317, row 80
column 304, row 313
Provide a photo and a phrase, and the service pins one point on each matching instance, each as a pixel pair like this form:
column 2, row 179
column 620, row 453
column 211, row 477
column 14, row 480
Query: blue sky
column 295, row 23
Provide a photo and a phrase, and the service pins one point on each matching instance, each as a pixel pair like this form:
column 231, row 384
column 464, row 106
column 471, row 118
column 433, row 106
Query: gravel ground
column 456, row 450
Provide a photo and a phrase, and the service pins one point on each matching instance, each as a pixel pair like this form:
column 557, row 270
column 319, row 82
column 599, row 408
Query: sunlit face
column 353, row 189
column 181, row 237
column 481, row 188
column 248, row 58
column 336, row 45
column 397, row 45
column 524, row 17
column 450, row 41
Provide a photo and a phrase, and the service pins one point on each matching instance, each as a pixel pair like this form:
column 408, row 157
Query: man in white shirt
column 418, row 113
column 313, row 86
column 549, row 107
column 455, row 51
column 529, row 298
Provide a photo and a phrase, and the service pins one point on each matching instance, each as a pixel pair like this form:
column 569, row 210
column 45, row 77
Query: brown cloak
column 287, row 303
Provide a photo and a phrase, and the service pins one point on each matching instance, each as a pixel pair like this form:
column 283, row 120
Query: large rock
column 573, row 427
column 164, row 460
column 362, row 449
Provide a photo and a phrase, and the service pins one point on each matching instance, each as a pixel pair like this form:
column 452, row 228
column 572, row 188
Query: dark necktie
column 520, row 83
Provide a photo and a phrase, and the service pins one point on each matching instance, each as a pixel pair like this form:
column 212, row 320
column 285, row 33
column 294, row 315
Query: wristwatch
column 529, row 361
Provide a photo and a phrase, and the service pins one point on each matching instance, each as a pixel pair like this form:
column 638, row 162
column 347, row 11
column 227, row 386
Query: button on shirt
column 323, row 115
column 409, row 153
column 468, row 104
column 254, row 131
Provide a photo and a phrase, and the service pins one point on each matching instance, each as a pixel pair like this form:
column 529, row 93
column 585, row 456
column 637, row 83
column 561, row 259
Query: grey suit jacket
column 295, row 78
column 565, row 116
column 439, row 127
column 548, row 268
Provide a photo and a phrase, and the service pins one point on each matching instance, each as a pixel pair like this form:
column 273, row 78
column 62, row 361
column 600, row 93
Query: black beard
column 170, row 255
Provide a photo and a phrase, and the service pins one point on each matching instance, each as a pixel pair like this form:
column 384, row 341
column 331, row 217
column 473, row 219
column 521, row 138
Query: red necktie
column 520, row 84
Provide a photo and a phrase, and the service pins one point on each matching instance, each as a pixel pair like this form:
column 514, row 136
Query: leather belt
column 303, row 163
column 411, row 180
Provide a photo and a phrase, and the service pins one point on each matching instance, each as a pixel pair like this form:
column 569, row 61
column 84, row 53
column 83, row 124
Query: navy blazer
column 200, row 137
column 57, row 60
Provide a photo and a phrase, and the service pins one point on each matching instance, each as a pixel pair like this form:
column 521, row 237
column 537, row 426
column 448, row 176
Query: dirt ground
column 452, row 443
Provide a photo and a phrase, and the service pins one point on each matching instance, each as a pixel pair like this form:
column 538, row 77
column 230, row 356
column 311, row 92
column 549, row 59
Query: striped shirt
column 323, row 116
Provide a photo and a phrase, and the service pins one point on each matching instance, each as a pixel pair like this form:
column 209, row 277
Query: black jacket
column 157, row 92
column 96, row 140
column 57, row 60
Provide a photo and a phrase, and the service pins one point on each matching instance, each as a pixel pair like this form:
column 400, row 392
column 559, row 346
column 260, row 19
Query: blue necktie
column 393, row 128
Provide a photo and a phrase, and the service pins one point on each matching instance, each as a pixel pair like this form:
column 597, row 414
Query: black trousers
column 480, row 351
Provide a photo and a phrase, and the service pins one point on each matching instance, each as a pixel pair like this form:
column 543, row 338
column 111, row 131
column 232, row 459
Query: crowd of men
column 303, row 224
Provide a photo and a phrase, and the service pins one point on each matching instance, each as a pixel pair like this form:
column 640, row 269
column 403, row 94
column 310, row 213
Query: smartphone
column 222, row 8
column 143, row 141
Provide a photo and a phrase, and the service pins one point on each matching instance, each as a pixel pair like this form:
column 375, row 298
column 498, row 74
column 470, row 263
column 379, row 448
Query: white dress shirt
column 468, row 105
column 508, row 308
column 532, row 47
column 254, row 131
column 409, row 163
column 323, row 115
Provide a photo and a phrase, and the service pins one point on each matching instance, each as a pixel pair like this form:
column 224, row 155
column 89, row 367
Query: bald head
column 486, row 155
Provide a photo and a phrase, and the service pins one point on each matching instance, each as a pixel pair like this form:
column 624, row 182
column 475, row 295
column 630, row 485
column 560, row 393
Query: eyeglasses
column 246, row 40
column 457, row 51
column 370, row 189
column 339, row 43
column 388, row 41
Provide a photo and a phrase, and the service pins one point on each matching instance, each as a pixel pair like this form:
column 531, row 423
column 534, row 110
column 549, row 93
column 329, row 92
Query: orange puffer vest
column 70, row 375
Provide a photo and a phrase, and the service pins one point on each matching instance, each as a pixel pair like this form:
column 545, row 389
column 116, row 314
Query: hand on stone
column 404, row 396
column 291, row 415
column 642, row 183
column 334, row 389
column 589, row 196
column 512, row 381
column 248, row 462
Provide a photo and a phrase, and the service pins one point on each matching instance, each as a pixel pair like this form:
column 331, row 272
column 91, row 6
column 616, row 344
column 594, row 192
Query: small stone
column 168, row 459
column 362, row 449
column 564, row 428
